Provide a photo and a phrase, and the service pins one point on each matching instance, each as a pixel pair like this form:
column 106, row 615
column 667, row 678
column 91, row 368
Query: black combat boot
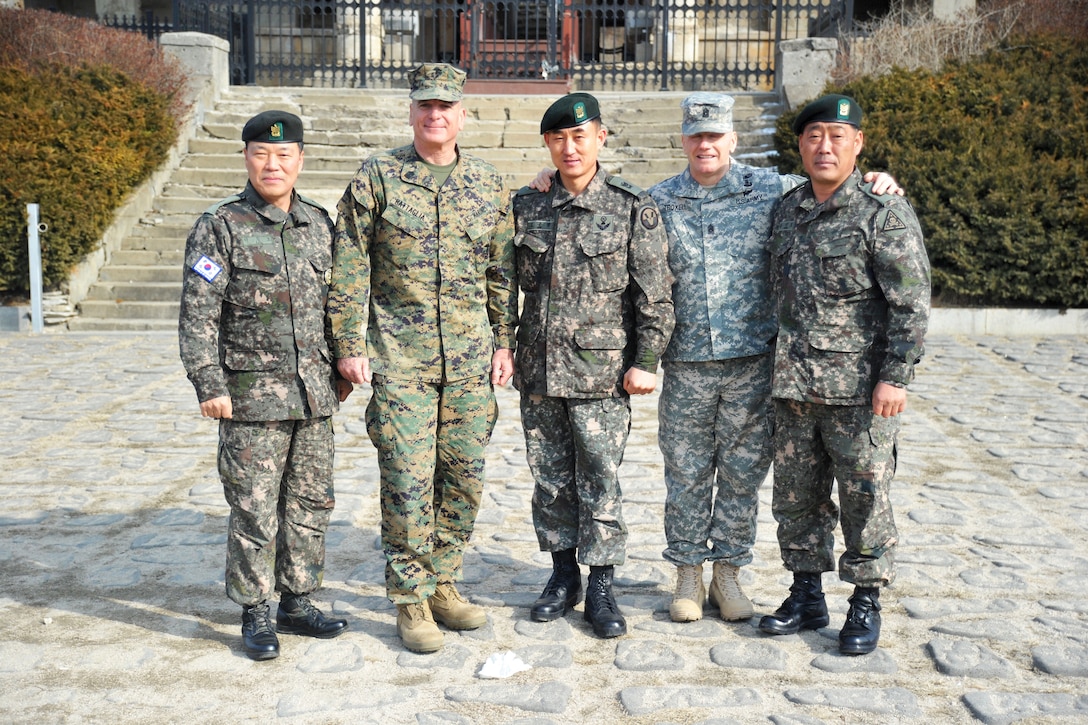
column 861, row 631
column 601, row 608
column 563, row 589
column 258, row 637
column 804, row 608
column 298, row 615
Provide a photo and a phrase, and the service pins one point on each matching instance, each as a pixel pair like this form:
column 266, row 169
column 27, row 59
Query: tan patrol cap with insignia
column 437, row 81
column 707, row 113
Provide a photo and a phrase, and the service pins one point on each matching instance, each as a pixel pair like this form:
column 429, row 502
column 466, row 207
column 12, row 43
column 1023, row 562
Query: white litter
column 502, row 664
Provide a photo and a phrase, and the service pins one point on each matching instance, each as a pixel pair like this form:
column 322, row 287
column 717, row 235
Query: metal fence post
column 34, row 248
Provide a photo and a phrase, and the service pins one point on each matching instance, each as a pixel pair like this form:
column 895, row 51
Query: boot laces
column 687, row 582
column 602, row 597
column 725, row 577
column 260, row 619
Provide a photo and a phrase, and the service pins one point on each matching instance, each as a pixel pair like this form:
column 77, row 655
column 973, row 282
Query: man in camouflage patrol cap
column 852, row 284
column 714, row 413
column 255, row 345
column 423, row 306
column 597, row 314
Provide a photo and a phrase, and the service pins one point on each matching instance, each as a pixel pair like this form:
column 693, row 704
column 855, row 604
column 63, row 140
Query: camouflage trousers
column 574, row 448
column 277, row 479
column 714, row 430
column 815, row 445
column 430, row 439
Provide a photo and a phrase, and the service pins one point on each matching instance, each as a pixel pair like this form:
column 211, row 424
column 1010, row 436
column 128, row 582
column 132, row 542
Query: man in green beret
column 255, row 344
column 852, row 284
column 423, row 307
column 597, row 314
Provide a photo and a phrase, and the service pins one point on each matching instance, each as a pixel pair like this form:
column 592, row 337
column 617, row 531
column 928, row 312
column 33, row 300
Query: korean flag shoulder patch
column 207, row 269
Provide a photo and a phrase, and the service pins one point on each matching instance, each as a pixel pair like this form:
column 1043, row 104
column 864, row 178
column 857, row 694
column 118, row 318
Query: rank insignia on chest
column 602, row 222
column 207, row 269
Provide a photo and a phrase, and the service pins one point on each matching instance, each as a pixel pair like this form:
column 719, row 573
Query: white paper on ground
column 502, row 664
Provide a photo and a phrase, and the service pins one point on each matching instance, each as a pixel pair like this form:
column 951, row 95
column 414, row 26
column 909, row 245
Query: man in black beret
column 851, row 280
column 255, row 345
column 592, row 264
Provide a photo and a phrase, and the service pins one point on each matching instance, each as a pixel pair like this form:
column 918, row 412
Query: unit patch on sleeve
column 207, row 269
column 649, row 217
column 892, row 223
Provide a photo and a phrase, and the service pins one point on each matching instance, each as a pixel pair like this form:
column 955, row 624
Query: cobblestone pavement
column 112, row 542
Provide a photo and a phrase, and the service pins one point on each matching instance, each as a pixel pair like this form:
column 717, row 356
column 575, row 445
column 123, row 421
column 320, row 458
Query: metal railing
column 594, row 44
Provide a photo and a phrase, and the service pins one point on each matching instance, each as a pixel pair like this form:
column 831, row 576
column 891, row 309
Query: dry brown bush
column 1064, row 18
column 31, row 39
column 909, row 37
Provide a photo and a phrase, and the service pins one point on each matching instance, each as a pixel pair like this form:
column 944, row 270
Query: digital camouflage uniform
column 423, row 286
column 714, row 413
column 595, row 277
column 851, row 278
column 252, row 327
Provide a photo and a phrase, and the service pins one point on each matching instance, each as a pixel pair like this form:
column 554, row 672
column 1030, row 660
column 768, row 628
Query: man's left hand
column 502, row 366
column 888, row 400
column 639, row 382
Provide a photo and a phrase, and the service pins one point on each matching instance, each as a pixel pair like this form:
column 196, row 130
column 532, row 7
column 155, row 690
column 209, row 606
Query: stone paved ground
column 112, row 538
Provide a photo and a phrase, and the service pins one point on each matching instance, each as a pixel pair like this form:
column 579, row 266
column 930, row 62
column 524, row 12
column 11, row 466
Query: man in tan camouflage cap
column 423, row 307
column 437, row 81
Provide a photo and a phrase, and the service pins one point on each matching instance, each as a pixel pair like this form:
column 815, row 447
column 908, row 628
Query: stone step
column 114, row 309
column 89, row 323
column 130, row 292
column 146, row 258
column 139, row 273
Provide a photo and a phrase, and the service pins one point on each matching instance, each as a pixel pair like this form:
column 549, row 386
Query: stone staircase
column 140, row 286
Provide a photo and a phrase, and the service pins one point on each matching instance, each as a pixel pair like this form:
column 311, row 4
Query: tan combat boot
column 453, row 610
column 687, row 602
column 726, row 594
column 417, row 629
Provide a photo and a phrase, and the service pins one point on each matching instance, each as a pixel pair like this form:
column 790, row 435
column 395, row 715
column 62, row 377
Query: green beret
column 273, row 127
column 571, row 110
column 437, row 81
column 829, row 109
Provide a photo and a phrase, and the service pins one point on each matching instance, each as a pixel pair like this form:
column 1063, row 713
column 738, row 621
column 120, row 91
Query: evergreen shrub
column 86, row 114
column 993, row 153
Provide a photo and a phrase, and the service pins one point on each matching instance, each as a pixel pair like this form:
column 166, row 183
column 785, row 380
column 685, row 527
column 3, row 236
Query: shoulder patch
column 222, row 202
column 892, row 222
column 526, row 190
column 649, row 217
column 621, row 183
column 207, row 269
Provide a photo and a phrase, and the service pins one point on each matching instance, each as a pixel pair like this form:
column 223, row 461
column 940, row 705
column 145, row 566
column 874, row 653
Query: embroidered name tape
column 207, row 269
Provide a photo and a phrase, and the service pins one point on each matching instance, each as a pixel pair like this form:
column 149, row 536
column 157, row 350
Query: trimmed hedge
column 87, row 113
column 993, row 154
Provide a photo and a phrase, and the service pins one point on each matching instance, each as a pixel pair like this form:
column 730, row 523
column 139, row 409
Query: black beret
column 829, row 109
column 273, row 127
column 571, row 110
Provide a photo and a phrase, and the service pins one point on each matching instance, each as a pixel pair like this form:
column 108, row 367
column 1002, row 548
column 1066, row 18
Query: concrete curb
column 1008, row 322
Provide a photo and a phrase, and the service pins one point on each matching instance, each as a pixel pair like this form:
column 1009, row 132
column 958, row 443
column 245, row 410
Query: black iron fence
column 595, row 44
